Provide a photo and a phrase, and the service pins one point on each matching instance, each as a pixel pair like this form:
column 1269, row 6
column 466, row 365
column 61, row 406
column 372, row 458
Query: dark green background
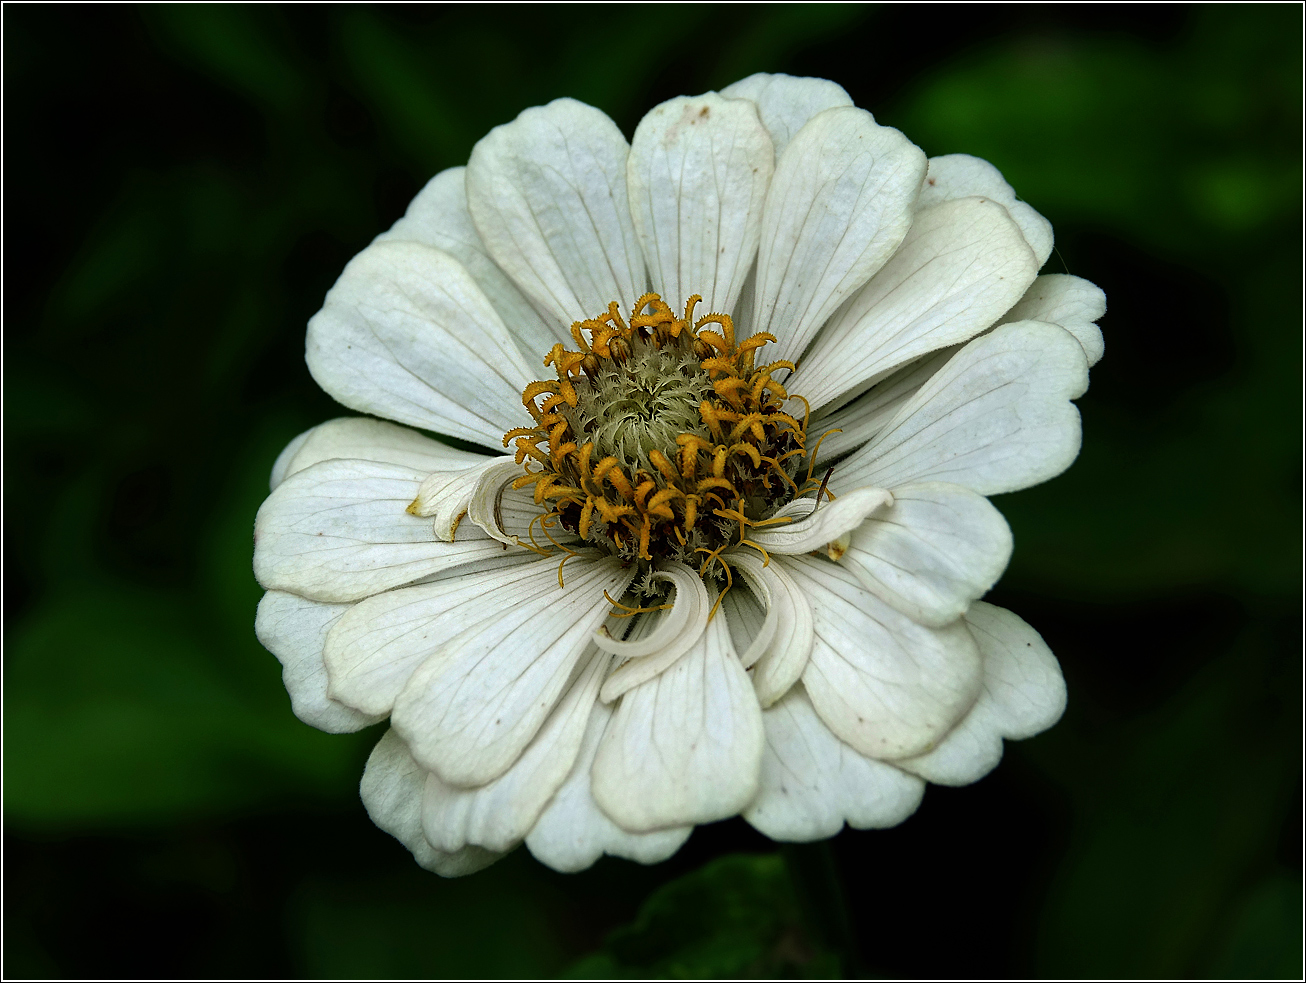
column 182, row 186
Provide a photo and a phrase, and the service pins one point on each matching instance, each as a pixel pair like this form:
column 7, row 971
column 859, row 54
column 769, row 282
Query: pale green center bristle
column 642, row 405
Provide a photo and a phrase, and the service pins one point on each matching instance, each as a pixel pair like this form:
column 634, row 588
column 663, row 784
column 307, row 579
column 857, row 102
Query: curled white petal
column 511, row 515
column 675, row 632
column 936, row 549
column 446, row 494
column 340, row 531
column 782, row 662
column 684, row 747
column 825, row 524
column 762, row 634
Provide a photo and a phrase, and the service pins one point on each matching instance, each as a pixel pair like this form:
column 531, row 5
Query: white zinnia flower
column 651, row 613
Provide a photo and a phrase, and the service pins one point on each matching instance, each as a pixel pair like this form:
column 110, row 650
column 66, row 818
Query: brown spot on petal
column 837, row 548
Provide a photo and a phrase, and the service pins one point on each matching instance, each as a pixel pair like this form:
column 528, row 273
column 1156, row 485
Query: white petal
column 684, row 747
column 697, row 174
column 961, row 266
column 281, row 466
column 1023, row 695
column 338, row 531
column 785, row 102
column 446, row 494
column 868, row 414
column 812, row 783
column 407, row 334
column 742, row 315
column 573, row 831
column 963, row 176
column 672, row 634
column 937, row 548
column 362, row 438
column 511, row 515
column 473, row 706
column 750, row 609
column 294, row 629
column 438, row 217
column 782, row 662
column 548, row 195
column 827, row 523
column 839, row 205
column 884, row 684
column 1073, row 303
column 391, row 790
column 498, row 816
column 377, row 646
column 996, row 418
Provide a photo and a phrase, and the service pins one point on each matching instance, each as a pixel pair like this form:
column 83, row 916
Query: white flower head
column 756, row 372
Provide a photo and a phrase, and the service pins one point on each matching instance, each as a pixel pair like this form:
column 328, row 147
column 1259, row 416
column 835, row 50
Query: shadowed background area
column 183, row 184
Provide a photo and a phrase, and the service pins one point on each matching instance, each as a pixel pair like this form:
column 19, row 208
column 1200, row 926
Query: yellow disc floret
column 662, row 436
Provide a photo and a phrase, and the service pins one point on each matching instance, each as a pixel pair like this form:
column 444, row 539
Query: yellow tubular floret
column 741, row 440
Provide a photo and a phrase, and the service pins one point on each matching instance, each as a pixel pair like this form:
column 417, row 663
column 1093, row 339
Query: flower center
column 661, row 437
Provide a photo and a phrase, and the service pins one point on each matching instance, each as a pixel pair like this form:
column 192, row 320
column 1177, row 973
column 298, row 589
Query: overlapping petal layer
column 340, row 531
column 684, row 747
column 812, row 783
column 1023, row 694
column 839, row 205
column 996, row 418
column 547, row 193
column 294, row 629
column 885, row 685
column 961, row 266
column 439, row 217
column 362, row 438
column 573, row 831
column 407, row 334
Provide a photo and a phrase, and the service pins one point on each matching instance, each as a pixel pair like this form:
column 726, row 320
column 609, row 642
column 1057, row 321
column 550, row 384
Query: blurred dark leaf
column 1172, row 813
column 1264, row 940
column 736, row 918
column 117, row 713
column 1111, row 130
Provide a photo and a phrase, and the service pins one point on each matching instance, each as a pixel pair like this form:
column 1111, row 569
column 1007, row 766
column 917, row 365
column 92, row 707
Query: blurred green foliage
column 755, row 929
column 154, row 368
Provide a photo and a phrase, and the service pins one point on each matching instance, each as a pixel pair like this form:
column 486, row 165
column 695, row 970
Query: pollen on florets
column 662, row 437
